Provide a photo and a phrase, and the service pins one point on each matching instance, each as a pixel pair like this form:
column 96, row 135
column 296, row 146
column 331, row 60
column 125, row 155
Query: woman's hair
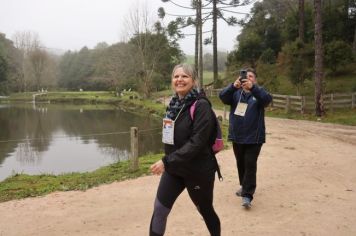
column 189, row 70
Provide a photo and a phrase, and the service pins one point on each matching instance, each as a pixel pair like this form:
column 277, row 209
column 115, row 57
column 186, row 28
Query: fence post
column 303, row 104
column 224, row 117
column 332, row 102
column 287, row 104
column 134, row 149
column 353, row 103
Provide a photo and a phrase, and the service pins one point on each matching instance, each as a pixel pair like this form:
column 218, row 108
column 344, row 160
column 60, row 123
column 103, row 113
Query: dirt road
column 306, row 186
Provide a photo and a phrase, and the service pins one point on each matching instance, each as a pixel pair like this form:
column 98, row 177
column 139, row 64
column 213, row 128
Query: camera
column 243, row 75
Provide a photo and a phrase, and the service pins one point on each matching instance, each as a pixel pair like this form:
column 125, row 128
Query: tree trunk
column 196, row 50
column 301, row 20
column 354, row 43
column 200, row 46
column 318, row 73
column 215, row 42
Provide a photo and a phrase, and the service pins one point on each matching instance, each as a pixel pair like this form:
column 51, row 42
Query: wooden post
column 353, row 103
column 303, row 104
column 287, row 108
column 224, row 117
column 332, row 102
column 134, row 149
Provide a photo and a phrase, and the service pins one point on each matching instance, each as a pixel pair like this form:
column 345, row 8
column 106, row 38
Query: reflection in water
column 65, row 138
column 26, row 154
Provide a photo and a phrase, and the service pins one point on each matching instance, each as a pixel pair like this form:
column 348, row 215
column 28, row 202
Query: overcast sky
column 72, row 24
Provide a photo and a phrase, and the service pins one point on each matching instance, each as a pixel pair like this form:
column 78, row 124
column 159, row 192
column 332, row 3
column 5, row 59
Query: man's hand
column 237, row 83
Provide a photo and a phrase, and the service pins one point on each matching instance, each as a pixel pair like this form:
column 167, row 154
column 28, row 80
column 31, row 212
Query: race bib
column 241, row 109
column 168, row 131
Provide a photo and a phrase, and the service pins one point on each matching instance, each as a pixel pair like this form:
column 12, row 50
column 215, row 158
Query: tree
column 204, row 13
column 208, row 61
column 296, row 60
column 10, row 66
column 337, row 54
column 3, row 65
column 75, row 68
column 27, row 42
column 318, row 74
column 183, row 21
column 260, row 32
column 38, row 59
column 301, row 20
column 152, row 50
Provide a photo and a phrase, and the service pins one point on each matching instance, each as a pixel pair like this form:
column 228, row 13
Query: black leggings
column 199, row 190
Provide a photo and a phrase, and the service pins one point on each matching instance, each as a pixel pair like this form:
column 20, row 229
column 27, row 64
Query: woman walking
column 189, row 161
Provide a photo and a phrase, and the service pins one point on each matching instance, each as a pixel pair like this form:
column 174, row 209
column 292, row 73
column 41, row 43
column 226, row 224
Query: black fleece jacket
column 191, row 155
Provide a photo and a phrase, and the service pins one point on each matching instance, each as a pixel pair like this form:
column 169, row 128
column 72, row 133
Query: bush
column 337, row 54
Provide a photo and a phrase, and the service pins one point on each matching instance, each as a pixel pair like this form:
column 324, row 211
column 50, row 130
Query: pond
column 56, row 139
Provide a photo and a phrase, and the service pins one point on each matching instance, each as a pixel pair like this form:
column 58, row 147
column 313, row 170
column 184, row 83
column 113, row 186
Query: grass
column 22, row 185
column 75, row 97
column 342, row 116
column 332, row 84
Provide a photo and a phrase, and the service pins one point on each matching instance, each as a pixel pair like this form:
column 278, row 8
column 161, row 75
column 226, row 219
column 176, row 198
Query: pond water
column 55, row 139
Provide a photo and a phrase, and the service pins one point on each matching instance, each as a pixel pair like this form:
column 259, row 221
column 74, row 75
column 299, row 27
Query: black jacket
column 191, row 155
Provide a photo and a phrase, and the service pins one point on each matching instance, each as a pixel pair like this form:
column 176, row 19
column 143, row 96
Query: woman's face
column 182, row 83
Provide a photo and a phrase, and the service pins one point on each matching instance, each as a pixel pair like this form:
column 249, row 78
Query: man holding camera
column 247, row 103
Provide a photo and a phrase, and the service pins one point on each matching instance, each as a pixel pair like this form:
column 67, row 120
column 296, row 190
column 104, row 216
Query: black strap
column 218, row 169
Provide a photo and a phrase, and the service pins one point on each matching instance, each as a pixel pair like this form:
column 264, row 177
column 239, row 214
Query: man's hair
column 252, row 71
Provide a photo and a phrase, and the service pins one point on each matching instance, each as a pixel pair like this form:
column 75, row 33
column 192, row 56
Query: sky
column 72, row 24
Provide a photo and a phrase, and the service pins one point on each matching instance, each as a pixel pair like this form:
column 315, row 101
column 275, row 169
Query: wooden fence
column 307, row 103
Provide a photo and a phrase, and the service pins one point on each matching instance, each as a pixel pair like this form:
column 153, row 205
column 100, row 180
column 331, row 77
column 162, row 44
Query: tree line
column 277, row 38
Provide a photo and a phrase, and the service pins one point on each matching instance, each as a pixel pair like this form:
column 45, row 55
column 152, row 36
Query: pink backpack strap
column 192, row 109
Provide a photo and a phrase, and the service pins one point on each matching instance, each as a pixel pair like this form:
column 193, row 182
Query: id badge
column 241, row 109
column 168, row 131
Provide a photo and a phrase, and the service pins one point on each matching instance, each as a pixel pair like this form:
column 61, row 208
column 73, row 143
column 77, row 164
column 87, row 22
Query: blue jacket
column 248, row 129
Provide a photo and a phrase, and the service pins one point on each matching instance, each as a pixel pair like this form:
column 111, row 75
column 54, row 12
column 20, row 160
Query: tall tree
column 152, row 49
column 26, row 42
column 215, row 41
column 38, row 60
column 186, row 20
column 318, row 73
column 301, row 20
column 211, row 10
column 351, row 10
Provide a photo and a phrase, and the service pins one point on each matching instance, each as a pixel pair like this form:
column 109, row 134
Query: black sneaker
column 239, row 192
column 246, row 202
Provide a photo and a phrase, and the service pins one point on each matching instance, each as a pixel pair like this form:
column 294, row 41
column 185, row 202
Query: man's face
column 251, row 77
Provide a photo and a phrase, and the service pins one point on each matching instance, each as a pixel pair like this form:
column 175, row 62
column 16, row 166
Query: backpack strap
column 191, row 111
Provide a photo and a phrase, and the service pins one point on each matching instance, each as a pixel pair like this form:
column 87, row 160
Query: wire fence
column 142, row 132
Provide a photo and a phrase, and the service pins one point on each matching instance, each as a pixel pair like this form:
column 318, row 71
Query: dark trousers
column 200, row 192
column 246, row 160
